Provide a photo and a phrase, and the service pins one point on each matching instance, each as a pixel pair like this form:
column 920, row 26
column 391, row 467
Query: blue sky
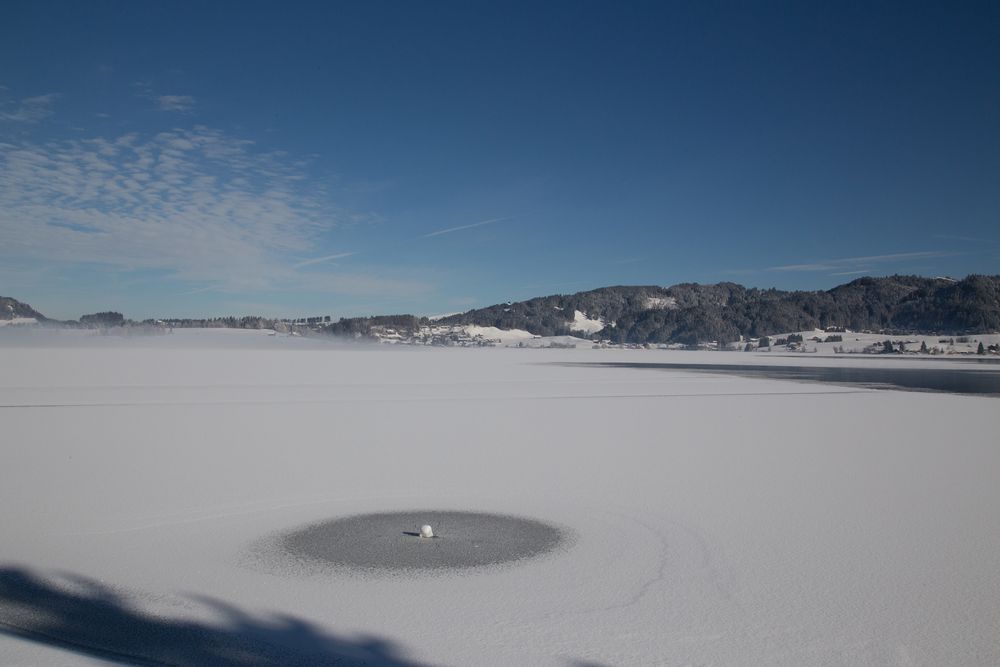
column 171, row 159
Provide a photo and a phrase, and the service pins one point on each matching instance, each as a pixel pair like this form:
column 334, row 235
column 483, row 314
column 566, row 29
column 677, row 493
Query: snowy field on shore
column 714, row 519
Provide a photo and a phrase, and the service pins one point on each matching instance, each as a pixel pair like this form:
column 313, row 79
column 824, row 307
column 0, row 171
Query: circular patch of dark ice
column 391, row 540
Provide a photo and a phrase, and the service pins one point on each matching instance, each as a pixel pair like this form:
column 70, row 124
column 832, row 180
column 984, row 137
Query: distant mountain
column 12, row 308
column 692, row 313
column 688, row 313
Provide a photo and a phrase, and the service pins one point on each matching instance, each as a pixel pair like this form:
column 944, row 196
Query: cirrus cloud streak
column 849, row 265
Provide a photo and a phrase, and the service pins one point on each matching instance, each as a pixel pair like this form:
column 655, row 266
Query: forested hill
column 687, row 313
column 12, row 308
column 691, row 313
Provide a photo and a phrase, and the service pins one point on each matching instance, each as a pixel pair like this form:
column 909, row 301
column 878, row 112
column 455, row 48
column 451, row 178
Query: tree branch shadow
column 89, row 618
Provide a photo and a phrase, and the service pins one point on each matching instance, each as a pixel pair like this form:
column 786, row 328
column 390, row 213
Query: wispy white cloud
column 851, row 273
column 328, row 258
column 848, row 264
column 173, row 103
column 178, row 103
column 901, row 256
column 195, row 205
column 461, row 227
column 804, row 267
column 28, row 109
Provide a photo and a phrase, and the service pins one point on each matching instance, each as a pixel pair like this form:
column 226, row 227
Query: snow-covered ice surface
column 716, row 520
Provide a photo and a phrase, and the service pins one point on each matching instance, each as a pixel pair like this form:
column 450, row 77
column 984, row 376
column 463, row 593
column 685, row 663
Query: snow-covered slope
column 582, row 323
column 505, row 336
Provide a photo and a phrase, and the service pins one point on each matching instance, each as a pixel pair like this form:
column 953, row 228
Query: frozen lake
column 715, row 519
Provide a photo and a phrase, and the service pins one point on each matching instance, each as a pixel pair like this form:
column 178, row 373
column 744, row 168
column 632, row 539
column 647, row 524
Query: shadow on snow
column 88, row 618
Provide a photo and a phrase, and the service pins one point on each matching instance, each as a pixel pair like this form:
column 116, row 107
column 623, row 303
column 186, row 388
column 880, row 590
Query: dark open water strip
column 970, row 359
column 943, row 380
